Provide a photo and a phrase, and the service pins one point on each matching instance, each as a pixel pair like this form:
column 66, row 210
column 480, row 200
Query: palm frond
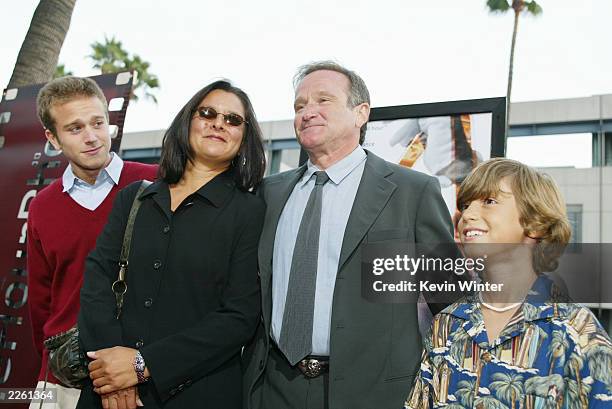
column 498, row 6
column 110, row 56
column 533, row 8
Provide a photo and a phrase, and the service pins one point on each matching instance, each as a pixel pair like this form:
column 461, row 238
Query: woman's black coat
column 192, row 300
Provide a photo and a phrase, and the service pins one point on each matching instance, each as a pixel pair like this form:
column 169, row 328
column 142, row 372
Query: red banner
column 27, row 164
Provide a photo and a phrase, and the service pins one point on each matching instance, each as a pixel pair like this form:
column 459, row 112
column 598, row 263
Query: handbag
column 66, row 359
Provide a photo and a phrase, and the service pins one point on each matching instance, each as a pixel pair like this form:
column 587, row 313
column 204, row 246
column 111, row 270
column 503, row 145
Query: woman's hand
column 112, row 369
column 123, row 399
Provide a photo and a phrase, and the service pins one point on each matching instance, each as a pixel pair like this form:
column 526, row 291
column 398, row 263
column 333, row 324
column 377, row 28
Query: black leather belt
column 313, row 366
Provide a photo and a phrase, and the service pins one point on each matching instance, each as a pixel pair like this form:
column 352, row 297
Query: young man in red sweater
column 66, row 217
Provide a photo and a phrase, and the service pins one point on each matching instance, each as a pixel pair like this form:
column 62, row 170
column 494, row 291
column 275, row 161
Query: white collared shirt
column 91, row 196
column 337, row 201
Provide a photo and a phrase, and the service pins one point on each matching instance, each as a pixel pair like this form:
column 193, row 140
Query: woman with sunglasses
column 192, row 297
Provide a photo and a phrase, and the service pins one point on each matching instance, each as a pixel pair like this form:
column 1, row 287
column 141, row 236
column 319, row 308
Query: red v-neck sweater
column 60, row 235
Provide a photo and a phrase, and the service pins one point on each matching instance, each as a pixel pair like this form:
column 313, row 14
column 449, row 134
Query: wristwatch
column 139, row 367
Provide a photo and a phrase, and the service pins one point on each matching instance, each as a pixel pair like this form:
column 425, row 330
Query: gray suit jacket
column 375, row 348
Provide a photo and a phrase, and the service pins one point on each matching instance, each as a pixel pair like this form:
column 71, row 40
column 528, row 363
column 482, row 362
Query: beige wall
column 592, row 188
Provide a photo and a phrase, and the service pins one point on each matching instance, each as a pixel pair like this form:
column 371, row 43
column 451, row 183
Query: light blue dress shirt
column 91, row 196
column 338, row 197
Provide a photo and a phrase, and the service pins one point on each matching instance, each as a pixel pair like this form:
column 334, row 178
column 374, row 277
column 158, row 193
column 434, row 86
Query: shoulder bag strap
column 120, row 286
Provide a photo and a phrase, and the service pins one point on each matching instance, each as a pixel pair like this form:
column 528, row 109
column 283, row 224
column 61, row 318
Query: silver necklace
column 498, row 309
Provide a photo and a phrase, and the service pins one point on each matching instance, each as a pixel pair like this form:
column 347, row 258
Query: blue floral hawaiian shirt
column 550, row 355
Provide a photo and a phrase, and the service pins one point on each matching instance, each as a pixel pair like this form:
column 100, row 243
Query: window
column 283, row 160
column 574, row 214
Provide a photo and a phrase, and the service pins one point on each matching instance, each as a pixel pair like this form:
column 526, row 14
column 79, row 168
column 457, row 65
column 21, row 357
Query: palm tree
column 458, row 346
column 488, row 402
column 576, row 393
column 556, row 351
column 110, row 56
column 573, row 367
column 466, row 391
column 572, row 393
column 37, row 58
column 600, row 361
column 547, row 390
column 508, row 387
column 518, row 6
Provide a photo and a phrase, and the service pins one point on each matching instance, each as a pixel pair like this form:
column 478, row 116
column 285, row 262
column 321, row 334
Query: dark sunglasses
column 211, row 114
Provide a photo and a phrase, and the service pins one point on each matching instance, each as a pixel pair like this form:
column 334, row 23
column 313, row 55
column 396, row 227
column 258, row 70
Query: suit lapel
column 372, row 195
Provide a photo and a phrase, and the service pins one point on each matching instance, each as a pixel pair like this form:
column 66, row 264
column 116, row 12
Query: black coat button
column 157, row 264
column 172, row 392
column 148, row 303
column 166, row 229
column 188, row 382
column 181, row 387
column 139, row 343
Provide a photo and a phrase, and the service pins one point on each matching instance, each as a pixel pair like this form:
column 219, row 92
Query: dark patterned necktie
column 296, row 332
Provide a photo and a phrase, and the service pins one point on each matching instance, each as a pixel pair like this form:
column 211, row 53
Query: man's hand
column 112, row 369
column 123, row 399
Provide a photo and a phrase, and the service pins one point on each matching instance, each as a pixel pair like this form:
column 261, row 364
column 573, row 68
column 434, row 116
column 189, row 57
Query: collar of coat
column 217, row 191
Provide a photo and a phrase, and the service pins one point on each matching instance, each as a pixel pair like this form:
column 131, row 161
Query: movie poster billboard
column 27, row 164
column 446, row 140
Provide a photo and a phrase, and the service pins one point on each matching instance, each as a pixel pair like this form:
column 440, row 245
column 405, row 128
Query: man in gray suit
column 320, row 344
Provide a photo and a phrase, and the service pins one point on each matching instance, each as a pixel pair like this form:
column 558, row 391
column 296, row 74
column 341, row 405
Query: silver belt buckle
column 312, row 368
